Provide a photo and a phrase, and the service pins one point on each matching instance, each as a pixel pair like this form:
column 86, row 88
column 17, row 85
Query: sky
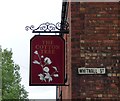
column 15, row 15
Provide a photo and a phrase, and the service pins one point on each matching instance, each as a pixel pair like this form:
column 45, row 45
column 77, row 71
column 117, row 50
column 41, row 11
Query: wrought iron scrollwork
column 49, row 28
column 64, row 25
column 29, row 27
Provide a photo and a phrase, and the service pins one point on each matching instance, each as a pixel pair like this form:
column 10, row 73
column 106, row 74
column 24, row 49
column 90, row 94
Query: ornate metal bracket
column 50, row 28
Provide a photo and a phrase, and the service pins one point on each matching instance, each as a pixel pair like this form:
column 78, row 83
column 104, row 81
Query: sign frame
column 31, row 62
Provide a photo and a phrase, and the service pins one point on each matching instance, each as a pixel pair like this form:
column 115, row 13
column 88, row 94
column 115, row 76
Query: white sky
column 15, row 15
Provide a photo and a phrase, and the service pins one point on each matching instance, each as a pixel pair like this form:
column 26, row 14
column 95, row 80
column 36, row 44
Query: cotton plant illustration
column 45, row 64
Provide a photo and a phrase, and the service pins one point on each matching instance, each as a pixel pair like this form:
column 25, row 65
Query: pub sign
column 47, row 54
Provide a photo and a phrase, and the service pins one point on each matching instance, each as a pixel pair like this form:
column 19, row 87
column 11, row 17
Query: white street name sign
column 91, row 70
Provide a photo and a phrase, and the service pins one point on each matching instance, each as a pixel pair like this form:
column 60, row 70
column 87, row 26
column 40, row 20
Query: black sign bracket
column 62, row 28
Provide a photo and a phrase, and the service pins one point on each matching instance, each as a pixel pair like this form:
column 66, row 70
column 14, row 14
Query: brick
column 93, row 42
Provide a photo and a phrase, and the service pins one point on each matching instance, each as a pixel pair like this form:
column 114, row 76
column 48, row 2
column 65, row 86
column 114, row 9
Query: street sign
column 47, row 60
column 91, row 70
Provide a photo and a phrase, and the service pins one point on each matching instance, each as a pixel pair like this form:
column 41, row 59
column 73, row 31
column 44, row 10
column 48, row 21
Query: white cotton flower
column 47, row 75
column 47, row 60
column 36, row 52
column 50, row 79
column 36, row 62
column 41, row 76
column 46, row 69
column 42, row 56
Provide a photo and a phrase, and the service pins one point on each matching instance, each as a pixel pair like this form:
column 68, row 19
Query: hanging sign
column 47, row 60
column 91, row 70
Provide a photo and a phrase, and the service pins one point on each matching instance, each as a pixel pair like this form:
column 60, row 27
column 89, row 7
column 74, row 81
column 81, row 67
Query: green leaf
column 11, row 79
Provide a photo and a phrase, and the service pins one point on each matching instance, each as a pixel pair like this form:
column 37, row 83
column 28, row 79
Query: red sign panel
column 47, row 54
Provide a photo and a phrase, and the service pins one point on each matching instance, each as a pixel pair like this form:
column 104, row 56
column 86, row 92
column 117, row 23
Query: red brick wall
column 99, row 47
column 93, row 41
column 75, row 48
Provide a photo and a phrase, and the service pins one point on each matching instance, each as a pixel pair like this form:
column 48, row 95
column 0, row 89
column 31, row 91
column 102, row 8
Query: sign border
column 30, row 63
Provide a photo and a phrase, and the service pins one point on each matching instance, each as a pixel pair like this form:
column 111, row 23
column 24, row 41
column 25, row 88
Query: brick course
column 93, row 41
